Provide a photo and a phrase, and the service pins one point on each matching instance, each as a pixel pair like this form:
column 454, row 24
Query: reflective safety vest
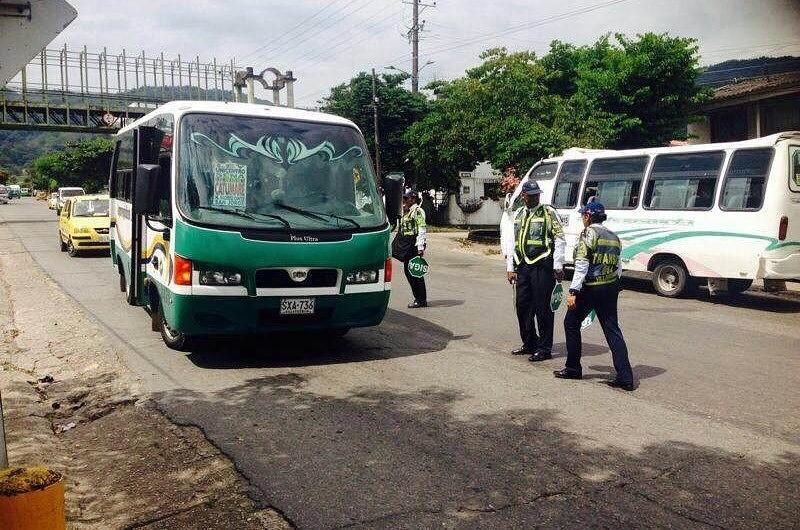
column 533, row 234
column 412, row 221
column 601, row 248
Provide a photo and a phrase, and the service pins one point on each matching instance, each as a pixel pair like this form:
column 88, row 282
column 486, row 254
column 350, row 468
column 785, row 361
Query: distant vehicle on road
column 64, row 193
column 52, row 201
column 246, row 219
column 3, row 194
column 14, row 191
column 83, row 224
column 725, row 212
column 25, row 192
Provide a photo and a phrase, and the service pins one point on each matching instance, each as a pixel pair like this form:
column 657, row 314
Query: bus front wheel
column 173, row 338
column 671, row 279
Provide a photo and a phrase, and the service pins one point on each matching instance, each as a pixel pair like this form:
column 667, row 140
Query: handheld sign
column 418, row 267
column 588, row 320
column 557, row 297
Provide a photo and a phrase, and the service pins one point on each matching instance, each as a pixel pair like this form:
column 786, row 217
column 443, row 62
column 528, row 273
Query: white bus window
column 616, row 182
column 794, row 168
column 683, row 181
column 544, row 171
column 568, row 183
column 744, row 181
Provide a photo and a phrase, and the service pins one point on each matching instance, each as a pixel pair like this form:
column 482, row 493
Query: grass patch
column 463, row 242
column 492, row 251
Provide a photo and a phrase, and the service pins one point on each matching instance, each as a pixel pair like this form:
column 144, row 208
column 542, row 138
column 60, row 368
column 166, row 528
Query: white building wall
column 487, row 215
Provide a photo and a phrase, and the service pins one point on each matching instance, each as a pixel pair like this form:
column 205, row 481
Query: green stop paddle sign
column 418, row 267
column 557, row 297
column 591, row 317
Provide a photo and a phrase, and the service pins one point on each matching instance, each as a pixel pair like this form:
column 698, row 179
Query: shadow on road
column 756, row 300
column 587, row 350
column 400, row 335
column 640, row 371
column 372, row 458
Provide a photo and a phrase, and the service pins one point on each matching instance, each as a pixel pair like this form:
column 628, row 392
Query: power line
column 296, row 26
column 345, row 39
column 523, row 26
column 290, row 43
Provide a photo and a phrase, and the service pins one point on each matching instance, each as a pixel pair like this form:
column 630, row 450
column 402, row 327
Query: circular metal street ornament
column 418, row 267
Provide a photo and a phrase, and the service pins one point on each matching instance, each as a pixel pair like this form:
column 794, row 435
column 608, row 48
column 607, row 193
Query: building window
column 465, row 190
column 568, row 183
column 745, row 180
column 616, row 182
column 683, row 181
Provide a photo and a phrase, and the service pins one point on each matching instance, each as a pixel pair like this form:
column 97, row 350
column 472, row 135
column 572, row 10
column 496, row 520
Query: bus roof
column 178, row 108
column 765, row 141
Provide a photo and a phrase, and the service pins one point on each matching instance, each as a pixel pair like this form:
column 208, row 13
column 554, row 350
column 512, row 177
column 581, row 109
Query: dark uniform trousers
column 603, row 299
column 535, row 285
column 417, row 284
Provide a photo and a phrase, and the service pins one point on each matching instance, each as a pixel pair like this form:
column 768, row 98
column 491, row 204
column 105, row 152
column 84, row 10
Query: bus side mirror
column 146, row 189
column 393, row 187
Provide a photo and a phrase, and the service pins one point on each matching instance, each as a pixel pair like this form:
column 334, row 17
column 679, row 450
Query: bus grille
column 279, row 278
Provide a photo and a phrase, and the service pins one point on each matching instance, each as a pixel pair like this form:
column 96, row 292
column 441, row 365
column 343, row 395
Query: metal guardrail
column 68, row 90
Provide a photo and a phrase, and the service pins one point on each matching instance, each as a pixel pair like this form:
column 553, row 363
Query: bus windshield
column 251, row 172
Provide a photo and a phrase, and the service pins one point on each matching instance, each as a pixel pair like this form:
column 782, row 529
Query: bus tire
column 671, row 279
column 61, row 243
column 174, row 339
column 336, row 332
column 122, row 282
column 738, row 285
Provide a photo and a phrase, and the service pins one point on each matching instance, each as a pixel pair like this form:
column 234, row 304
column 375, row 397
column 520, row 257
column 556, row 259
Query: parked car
column 52, row 201
column 65, row 192
column 3, row 194
column 26, row 192
column 83, row 224
column 14, row 191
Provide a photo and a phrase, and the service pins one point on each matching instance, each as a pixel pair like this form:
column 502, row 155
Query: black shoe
column 415, row 304
column 521, row 351
column 540, row 356
column 615, row 383
column 566, row 373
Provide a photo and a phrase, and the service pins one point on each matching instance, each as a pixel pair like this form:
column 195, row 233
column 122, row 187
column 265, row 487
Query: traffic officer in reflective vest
column 595, row 285
column 535, row 265
column 410, row 242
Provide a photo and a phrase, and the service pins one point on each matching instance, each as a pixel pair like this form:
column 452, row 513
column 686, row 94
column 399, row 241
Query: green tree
column 4, row 176
column 516, row 108
column 398, row 108
column 84, row 164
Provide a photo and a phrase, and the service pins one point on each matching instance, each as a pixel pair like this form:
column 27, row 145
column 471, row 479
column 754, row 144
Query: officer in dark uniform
column 595, row 285
column 535, row 265
column 410, row 242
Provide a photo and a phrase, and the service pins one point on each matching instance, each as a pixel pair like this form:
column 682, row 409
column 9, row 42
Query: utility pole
column 413, row 33
column 375, row 123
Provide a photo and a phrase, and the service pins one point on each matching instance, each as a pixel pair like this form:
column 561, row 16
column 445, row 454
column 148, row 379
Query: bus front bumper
column 234, row 315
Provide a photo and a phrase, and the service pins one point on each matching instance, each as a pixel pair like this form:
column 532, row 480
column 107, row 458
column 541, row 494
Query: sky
column 326, row 42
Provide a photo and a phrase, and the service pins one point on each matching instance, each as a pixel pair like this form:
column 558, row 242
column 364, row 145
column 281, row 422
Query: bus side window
column 743, row 188
column 124, row 166
column 616, row 182
column 683, row 181
column 156, row 140
column 794, row 168
column 568, row 182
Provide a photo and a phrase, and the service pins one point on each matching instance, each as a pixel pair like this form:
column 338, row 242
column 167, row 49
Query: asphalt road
column 427, row 421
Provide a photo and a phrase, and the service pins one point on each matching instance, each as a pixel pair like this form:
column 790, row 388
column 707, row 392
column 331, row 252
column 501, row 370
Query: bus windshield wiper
column 317, row 215
column 255, row 216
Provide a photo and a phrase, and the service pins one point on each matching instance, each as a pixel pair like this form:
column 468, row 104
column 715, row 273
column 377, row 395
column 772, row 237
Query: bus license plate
column 297, row 306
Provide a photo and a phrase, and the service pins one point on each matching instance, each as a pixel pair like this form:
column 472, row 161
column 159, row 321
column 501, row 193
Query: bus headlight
column 220, row 277
column 355, row 277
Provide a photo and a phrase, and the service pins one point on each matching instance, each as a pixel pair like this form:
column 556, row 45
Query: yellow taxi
column 83, row 224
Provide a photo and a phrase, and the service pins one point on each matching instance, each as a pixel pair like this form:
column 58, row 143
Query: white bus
column 728, row 213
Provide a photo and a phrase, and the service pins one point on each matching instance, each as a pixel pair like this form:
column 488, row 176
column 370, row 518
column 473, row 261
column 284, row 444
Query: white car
column 65, row 192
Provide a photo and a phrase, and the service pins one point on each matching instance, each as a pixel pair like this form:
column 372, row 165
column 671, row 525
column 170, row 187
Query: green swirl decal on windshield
column 293, row 151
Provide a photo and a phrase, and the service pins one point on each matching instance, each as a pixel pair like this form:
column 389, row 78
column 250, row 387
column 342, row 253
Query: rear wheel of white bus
column 671, row 279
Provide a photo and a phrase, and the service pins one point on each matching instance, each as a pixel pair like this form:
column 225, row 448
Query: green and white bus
column 241, row 219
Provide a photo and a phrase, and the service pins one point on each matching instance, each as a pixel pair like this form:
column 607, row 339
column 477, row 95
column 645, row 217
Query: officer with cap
column 535, row 265
column 595, row 286
column 410, row 242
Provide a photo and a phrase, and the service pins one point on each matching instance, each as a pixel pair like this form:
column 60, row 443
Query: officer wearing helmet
column 534, row 266
column 595, row 286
